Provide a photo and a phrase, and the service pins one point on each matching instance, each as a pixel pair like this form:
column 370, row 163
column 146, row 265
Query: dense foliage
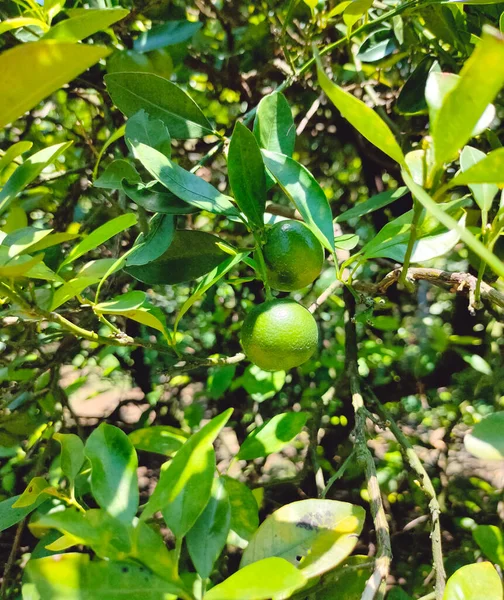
column 148, row 153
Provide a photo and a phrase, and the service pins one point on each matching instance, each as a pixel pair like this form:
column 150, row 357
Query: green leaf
column 462, row 107
column 28, row 171
column 162, row 99
column 161, row 439
column 350, row 576
column 247, row 176
column 484, row 193
column 156, row 198
column 113, row 138
column 372, row 204
column 262, row 385
column 362, row 117
column 73, row 576
column 100, row 236
column 474, row 582
column 274, row 126
column 377, row 46
column 305, row 193
column 85, row 24
column 486, row 440
column 190, row 255
column 13, row 152
column 30, row 72
column 488, row 170
column 273, row 435
column 477, row 362
column 21, row 240
column 53, row 239
column 271, row 578
column 142, row 129
column 185, row 185
column 155, row 243
column 491, row 541
column 244, row 509
column 185, row 485
column 149, row 548
column 115, row 172
column 347, row 241
column 17, row 266
column 72, row 454
column 450, row 223
column 313, row 535
column 355, row 11
column 113, row 471
column 167, row 34
column 122, row 303
column 18, row 22
column 207, row 282
column 9, row 516
column 37, row 487
column 411, row 99
column 208, row 535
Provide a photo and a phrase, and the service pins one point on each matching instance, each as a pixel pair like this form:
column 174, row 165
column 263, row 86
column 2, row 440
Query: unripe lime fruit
column 293, row 256
column 279, row 335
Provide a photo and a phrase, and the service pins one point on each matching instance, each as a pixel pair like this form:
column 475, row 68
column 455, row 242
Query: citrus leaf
column 115, row 172
column 156, row 198
column 21, row 240
column 30, row 72
column 270, row 578
column 247, row 176
column 167, row 34
column 85, row 24
column 190, row 255
column 72, row 454
column 113, row 471
column 113, row 138
column 9, row 515
column 461, row 585
column 367, row 122
column 486, row 440
column 185, row 484
column 207, row 537
column 161, row 439
column 244, row 509
column 489, row 169
column 491, row 541
column 13, row 152
column 372, row 204
column 313, row 535
column 274, row 126
column 162, row 99
column 411, row 99
column 142, row 129
column 305, row 193
column 273, row 435
column 155, row 243
column 37, row 487
column 185, row 185
column 18, row 22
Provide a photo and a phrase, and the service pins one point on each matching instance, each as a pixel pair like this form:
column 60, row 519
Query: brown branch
column 459, row 283
column 12, row 558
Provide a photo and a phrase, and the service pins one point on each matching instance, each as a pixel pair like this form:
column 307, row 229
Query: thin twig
column 12, row 558
column 309, row 114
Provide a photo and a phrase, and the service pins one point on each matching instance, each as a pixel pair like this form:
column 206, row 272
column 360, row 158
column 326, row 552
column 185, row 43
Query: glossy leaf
column 99, row 236
column 411, row 99
column 12, row 152
column 37, row 487
column 21, row 240
column 305, row 193
column 156, row 198
column 369, row 206
column 113, row 138
column 155, row 243
column 18, row 22
column 115, row 172
column 185, row 185
column 313, row 535
column 273, row 435
column 72, row 454
column 462, row 107
column 28, row 171
column 185, row 485
column 450, row 223
column 17, row 266
column 274, row 126
column 142, row 129
column 488, row 170
column 113, row 471
column 190, row 255
column 9, row 515
column 167, row 34
column 479, row 581
column 350, row 576
column 367, row 122
column 74, row 576
column 486, row 441
column 491, row 541
column 149, row 548
column 85, row 24
column 161, row 439
column 247, row 176
column 163, row 100
column 207, row 282
column 30, row 72
column 484, row 193
column 244, row 509
column 347, row 241
column 270, row 578
column 208, row 535
column 380, row 44
column 354, row 11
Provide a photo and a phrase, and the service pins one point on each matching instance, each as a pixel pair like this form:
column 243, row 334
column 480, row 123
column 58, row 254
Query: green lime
column 293, row 256
column 279, row 335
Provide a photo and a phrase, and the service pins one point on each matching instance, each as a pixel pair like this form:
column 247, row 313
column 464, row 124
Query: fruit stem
column 262, row 266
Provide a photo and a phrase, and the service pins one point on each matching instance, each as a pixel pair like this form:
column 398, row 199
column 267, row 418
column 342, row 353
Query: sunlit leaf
column 486, row 441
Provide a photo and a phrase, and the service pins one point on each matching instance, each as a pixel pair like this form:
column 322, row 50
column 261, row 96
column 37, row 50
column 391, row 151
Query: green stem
column 417, row 211
column 262, row 265
column 339, row 473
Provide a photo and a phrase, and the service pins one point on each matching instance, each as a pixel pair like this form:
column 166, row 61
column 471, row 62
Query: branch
column 427, row 487
column 376, row 583
column 459, row 283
